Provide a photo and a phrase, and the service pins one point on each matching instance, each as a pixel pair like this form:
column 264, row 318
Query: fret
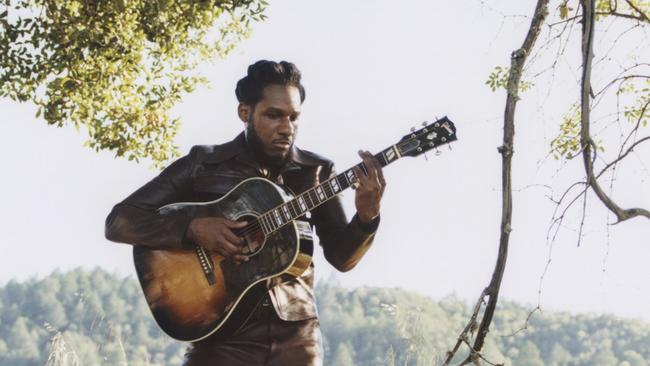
column 321, row 193
column 293, row 209
column 313, row 198
column 269, row 221
column 302, row 203
column 287, row 214
column 299, row 209
column 308, row 200
column 362, row 166
column 278, row 219
column 325, row 187
column 335, row 185
column 399, row 155
column 349, row 175
column 265, row 230
column 343, row 182
column 328, row 190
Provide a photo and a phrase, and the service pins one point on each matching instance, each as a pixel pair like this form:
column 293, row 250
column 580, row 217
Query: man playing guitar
column 283, row 328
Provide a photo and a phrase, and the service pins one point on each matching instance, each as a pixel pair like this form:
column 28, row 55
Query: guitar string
column 256, row 226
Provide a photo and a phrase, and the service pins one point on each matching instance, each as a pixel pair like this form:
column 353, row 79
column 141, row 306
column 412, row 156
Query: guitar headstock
column 428, row 137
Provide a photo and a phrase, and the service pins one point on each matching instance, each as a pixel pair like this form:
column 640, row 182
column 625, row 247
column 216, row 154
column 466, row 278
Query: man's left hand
column 369, row 187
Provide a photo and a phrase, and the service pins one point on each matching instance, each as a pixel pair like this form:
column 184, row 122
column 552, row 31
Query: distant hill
column 95, row 318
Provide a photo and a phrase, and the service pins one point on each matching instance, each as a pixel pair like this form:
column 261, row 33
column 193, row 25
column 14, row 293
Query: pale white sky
column 372, row 70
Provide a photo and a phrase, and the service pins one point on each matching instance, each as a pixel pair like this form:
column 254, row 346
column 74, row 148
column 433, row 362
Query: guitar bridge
column 206, row 264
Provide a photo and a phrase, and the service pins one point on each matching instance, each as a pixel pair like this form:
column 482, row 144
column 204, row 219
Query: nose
column 286, row 127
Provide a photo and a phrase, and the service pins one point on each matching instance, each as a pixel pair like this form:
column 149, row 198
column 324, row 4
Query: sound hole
column 253, row 236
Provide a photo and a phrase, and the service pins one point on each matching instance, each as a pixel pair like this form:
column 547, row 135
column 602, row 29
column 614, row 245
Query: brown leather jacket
column 209, row 172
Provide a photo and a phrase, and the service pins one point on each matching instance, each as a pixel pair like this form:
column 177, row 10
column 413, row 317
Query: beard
column 256, row 148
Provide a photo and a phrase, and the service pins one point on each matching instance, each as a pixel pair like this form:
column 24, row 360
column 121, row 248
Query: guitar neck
column 285, row 213
column 440, row 132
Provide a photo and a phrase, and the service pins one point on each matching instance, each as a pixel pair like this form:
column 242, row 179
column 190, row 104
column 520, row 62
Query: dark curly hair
column 262, row 73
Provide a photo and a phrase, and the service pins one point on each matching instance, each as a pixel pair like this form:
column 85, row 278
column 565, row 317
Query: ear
column 244, row 110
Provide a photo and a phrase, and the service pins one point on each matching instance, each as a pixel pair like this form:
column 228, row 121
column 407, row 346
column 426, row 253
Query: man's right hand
column 215, row 234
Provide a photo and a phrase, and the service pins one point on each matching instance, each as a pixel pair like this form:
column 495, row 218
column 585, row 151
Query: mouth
column 283, row 144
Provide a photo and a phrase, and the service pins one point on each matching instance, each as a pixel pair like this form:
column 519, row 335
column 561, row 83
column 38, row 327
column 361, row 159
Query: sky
column 372, row 69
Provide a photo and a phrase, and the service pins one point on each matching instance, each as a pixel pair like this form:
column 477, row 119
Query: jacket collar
column 236, row 149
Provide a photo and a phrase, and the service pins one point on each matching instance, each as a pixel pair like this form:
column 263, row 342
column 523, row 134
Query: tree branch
column 642, row 14
column 470, row 327
column 517, row 62
column 586, row 142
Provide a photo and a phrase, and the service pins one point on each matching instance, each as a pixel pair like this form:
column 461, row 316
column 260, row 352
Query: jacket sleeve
column 136, row 220
column 344, row 243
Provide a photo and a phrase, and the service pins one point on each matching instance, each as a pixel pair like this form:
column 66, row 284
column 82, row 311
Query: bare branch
column 623, row 155
column 517, row 62
column 469, row 328
column 586, row 142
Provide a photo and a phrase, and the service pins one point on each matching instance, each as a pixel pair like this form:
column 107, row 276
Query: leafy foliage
column 639, row 111
column 567, row 143
column 499, row 79
column 116, row 67
column 94, row 318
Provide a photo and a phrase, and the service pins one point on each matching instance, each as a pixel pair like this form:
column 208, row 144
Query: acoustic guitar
column 195, row 293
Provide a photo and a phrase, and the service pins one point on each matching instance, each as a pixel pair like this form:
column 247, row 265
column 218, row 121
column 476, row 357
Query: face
column 273, row 120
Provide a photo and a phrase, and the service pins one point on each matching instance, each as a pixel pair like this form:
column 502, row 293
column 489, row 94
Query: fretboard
column 285, row 213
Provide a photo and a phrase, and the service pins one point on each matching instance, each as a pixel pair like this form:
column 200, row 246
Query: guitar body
column 193, row 294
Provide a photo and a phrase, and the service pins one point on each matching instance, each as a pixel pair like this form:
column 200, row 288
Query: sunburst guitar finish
column 193, row 294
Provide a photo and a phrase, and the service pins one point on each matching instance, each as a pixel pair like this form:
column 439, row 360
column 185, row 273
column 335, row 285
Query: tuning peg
column 412, row 129
column 424, row 123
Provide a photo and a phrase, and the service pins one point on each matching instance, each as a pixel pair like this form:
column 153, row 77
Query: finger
column 231, row 250
column 364, row 158
column 231, row 237
column 239, row 259
column 380, row 174
column 234, row 224
column 378, row 169
column 372, row 166
column 377, row 172
column 371, row 163
column 356, row 181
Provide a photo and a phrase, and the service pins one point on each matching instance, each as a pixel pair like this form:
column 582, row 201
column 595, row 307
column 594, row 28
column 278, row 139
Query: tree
column 634, row 358
column 116, row 67
column 343, row 355
column 575, row 137
column 559, row 356
column 529, row 356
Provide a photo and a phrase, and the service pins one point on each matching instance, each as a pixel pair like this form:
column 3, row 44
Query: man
column 284, row 328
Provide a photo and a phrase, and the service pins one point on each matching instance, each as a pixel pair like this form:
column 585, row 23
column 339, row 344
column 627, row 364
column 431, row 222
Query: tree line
column 84, row 317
